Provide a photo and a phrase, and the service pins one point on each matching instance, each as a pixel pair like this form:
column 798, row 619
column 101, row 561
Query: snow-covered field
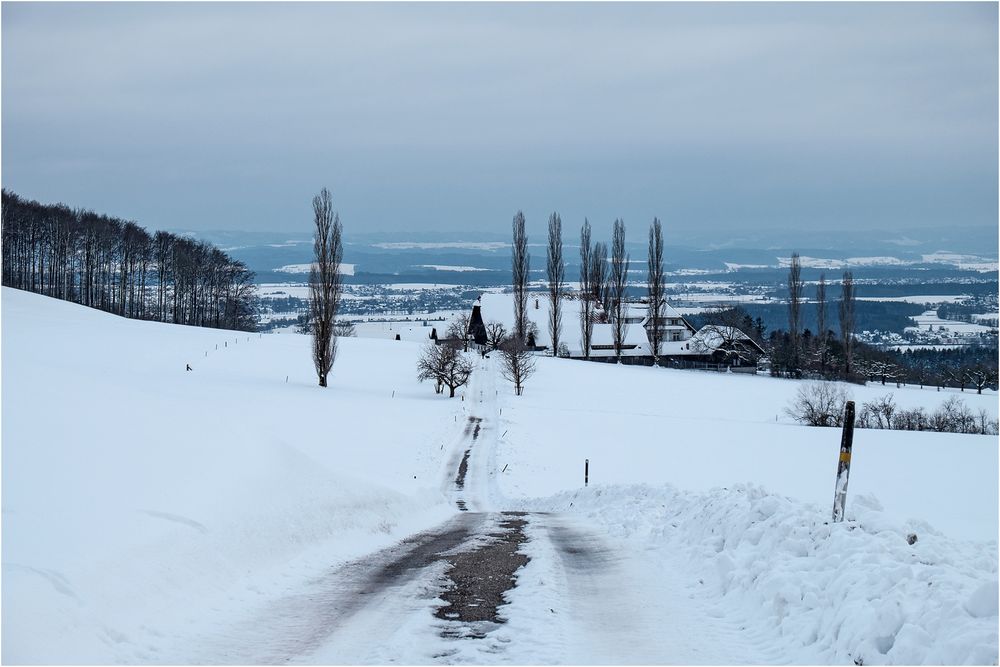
column 145, row 507
column 698, row 430
column 413, row 331
column 930, row 318
column 451, row 267
column 919, row 299
column 463, row 245
column 141, row 502
column 345, row 269
column 733, row 506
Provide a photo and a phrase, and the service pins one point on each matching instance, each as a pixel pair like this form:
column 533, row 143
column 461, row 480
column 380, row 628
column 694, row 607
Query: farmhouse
column 681, row 345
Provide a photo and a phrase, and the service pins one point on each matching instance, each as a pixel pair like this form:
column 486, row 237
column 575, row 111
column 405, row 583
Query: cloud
column 231, row 115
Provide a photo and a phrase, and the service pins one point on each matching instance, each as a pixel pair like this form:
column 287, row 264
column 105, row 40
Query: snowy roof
column 637, row 309
column 500, row 308
column 604, row 334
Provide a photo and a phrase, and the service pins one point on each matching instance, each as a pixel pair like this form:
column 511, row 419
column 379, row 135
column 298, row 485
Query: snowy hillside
column 155, row 515
column 132, row 488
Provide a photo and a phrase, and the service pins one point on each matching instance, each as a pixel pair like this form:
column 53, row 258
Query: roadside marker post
column 844, row 463
column 586, row 472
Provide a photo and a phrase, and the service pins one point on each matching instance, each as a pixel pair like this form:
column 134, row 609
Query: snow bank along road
column 487, row 586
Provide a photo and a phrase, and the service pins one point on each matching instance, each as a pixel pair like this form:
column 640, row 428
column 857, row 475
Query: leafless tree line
column 117, row 266
column 789, row 358
column 822, row 404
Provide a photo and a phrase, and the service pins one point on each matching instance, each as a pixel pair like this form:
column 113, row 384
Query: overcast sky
column 453, row 116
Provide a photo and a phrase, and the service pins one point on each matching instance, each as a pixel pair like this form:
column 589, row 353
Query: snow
column 449, row 267
column 413, row 331
column 966, row 262
column 132, row 487
column 297, row 290
column 959, row 261
column 464, row 245
column 919, row 299
column 151, row 514
column 700, row 430
column 800, row 589
column 345, row 269
column 671, row 454
column 757, row 567
column 930, row 318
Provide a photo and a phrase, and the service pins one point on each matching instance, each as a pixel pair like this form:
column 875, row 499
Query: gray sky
column 453, row 116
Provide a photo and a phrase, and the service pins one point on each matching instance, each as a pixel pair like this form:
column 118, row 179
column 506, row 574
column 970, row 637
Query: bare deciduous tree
column 655, row 282
column 586, row 290
column 980, row 376
column 104, row 262
column 446, row 365
column 344, row 329
column 727, row 338
column 520, row 266
column 819, row 404
column 516, row 364
column 495, row 334
column 847, row 299
column 619, row 284
column 324, row 283
column 556, row 270
column 459, row 330
column 878, row 413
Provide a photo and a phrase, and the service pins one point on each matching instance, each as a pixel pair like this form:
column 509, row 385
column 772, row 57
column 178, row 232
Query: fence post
column 844, row 464
column 586, row 472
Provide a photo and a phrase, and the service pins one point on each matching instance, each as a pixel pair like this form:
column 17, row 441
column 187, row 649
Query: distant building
column 681, row 345
column 477, row 328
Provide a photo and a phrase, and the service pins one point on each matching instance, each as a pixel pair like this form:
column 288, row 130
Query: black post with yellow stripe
column 844, row 465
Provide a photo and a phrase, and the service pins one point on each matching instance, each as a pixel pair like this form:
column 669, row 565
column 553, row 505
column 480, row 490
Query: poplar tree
column 557, row 277
column 324, row 283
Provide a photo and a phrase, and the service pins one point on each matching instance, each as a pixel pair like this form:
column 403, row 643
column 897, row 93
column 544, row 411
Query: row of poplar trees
column 791, row 355
column 603, row 284
column 117, row 266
